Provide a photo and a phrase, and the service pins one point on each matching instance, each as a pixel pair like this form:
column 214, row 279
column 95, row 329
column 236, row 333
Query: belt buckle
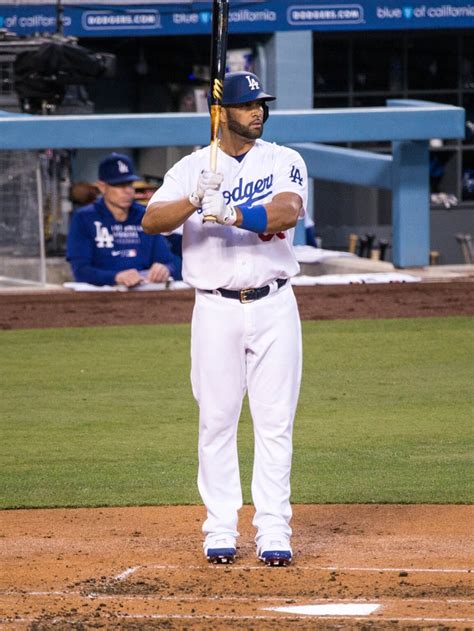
column 247, row 295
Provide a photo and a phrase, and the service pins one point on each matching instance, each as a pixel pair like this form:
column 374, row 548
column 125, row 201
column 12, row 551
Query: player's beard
column 245, row 131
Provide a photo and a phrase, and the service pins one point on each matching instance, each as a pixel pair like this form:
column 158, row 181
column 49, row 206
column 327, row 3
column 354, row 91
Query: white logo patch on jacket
column 103, row 238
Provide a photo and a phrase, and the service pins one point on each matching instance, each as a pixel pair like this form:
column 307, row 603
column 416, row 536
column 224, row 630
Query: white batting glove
column 207, row 180
column 214, row 208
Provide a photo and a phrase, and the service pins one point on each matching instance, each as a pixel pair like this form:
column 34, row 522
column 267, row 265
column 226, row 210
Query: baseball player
column 246, row 333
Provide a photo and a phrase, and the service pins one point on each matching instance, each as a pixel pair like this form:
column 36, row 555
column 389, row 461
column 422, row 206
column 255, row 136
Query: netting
column 21, row 232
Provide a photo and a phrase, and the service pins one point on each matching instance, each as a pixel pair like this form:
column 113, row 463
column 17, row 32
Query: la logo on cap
column 122, row 167
column 253, row 83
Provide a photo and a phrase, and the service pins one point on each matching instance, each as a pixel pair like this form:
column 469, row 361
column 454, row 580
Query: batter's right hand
column 208, row 180
column 129, row 278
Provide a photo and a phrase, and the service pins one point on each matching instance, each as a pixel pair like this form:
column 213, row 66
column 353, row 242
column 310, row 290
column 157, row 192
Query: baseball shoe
column 275, row 552
column 220, row 550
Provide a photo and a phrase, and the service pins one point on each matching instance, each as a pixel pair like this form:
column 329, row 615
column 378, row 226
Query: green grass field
column 105, row 416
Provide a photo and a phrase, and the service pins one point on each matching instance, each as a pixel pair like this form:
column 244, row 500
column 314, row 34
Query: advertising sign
column 83, row 18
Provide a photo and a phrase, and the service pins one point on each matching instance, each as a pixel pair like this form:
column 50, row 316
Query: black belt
column 247, row 295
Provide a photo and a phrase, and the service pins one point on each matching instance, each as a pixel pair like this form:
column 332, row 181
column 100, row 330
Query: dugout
column 341, row 69
column 346, row 72
column 308, row 62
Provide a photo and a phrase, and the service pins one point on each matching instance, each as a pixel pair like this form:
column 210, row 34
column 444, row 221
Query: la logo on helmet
column 253, row 83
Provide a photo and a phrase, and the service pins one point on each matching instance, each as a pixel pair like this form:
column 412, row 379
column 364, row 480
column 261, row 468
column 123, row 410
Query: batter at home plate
column 238, row 226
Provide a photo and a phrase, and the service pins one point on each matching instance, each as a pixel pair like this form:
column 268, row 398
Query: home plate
column 335, row 609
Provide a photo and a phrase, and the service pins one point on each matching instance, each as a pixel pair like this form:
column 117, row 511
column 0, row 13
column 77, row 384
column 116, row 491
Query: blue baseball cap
column 243, row 87
column 117, row 168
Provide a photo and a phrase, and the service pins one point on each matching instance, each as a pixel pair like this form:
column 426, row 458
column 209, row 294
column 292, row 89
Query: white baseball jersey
column 225, row 256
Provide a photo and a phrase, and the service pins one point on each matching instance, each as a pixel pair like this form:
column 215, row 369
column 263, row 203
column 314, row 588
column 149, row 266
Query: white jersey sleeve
column 291, row 175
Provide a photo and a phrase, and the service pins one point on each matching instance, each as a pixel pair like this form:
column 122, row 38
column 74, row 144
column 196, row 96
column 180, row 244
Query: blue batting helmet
column 242, row 87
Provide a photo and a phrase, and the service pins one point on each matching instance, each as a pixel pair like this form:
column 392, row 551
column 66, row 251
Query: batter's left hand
column 215, row 208
column 158, row 273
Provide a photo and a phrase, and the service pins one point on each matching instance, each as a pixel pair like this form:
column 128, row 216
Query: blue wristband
column 254, row 218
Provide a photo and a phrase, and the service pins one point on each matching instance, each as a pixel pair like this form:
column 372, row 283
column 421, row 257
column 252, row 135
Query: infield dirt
column 395, row 300
column 143, row 567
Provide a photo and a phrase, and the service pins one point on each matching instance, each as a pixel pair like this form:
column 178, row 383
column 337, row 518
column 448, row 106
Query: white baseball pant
column 254, row 347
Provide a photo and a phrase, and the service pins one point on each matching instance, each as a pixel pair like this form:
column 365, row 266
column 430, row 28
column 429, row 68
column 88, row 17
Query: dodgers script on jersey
column 225, row 256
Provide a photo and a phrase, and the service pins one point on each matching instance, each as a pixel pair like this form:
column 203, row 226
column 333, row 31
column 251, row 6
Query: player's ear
column 223, row 115
column 101, row 186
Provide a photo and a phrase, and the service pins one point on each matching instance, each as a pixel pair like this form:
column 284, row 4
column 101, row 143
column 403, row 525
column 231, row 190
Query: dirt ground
column 143, row 568
column 395, row 300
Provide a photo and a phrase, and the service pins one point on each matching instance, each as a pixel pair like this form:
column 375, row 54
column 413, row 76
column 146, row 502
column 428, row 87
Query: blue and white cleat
column 221, row 555
column 221, row 550
column 275, row 552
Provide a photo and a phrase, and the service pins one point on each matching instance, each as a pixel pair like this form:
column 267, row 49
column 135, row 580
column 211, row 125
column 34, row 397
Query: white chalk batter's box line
column 354, row 609
column 154, row 566
column 155, row 616
column 185, row 598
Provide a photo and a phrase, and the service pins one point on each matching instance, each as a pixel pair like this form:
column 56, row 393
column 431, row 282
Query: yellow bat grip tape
column 218, row 89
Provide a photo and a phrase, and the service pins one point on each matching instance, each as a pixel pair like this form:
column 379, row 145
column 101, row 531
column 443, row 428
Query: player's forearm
column 166, row 216
column 84, row 272
column 281, row 215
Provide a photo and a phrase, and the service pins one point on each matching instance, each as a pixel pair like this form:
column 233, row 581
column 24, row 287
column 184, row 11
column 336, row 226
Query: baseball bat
column 220, row 18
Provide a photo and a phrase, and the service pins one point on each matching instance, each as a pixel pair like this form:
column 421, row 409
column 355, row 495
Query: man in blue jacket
column 106, row 244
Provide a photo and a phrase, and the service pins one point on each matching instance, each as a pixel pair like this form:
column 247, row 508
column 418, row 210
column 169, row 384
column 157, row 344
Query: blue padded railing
column 408, row 125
